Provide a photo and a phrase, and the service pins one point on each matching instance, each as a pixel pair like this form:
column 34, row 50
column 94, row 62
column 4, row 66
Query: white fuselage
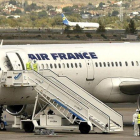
column 98, row 68
column 84, row 24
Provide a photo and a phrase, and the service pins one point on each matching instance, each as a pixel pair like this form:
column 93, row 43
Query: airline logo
column 64, row 18
column 63, row 56
column 18, row 76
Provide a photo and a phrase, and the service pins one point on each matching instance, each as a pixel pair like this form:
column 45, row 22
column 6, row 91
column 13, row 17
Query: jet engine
column 118, row 90
column 26, row 110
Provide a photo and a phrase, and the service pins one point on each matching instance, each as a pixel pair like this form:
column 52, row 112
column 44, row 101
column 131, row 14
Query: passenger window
column 55, row 65
column 67, row 65
column 96, row 64
column 76, row 65
column 137, row 63
column 126, row 63
column 51, row 66
column 108, row 64
column 63, row 65
column 112, row 64
column 132, row 63
column 120, row 63
column 42, row 66
column 71, row 65
column 104, row 64
column 100, row 64
column 59, row 65
column 80, row 65
column 116, row 64
column 47, row 66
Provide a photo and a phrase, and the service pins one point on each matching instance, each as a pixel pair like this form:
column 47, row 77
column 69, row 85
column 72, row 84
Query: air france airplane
column 81, row 24
column 110, row 72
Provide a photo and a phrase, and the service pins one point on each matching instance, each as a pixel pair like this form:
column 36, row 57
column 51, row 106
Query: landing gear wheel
column 84, row 128
column 2, row 126
column 29, row 127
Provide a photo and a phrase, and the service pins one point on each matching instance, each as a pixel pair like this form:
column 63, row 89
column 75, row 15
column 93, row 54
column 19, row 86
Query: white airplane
column 110, row 72
column 81, row 24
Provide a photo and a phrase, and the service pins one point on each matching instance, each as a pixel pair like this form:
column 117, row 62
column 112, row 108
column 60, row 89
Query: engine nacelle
column 117, row 90
column 26, row 110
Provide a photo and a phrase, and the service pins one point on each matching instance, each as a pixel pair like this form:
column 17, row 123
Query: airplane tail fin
column 65, row 21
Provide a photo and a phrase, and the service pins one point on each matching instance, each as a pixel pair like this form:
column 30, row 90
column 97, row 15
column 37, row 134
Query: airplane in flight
column 109, row 72
column 81, row 24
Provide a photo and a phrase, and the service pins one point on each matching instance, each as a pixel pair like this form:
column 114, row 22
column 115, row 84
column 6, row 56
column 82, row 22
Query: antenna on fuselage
column 2, row 43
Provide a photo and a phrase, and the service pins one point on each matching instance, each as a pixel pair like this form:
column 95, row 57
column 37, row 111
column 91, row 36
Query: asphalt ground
column 126, row 110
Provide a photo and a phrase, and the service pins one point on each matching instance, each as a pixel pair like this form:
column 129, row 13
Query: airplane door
column 90, row 70
column 15, row 61
column 90, row 67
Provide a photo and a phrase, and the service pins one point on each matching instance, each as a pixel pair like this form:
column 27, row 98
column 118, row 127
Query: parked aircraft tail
column 65, row 21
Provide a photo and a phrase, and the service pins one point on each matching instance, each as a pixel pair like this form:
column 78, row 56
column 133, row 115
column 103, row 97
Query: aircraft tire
column 2, row 126
column 28, row 127
column 84, row 128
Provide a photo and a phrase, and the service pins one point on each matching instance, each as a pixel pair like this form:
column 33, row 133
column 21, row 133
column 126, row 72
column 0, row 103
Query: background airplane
column 81, row 24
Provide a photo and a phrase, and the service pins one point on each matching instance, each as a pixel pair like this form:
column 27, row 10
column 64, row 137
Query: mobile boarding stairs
column 73, row 103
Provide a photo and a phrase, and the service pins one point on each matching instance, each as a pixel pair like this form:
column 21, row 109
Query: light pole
column 121, row 13
column 23, row 6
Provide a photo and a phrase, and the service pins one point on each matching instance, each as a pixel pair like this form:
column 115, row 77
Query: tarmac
column 126, row 110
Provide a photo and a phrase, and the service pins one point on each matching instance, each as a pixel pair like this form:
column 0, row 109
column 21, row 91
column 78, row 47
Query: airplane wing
column 130, row 87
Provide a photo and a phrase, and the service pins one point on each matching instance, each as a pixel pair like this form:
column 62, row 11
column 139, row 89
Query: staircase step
column 68, row 98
